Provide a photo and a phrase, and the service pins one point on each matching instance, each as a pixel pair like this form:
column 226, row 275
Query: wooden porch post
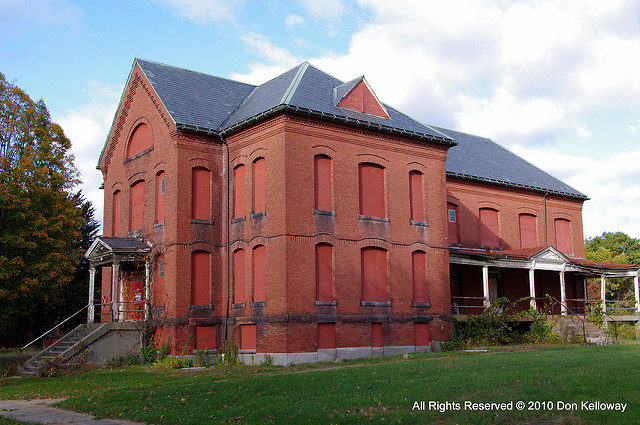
column 146, row 289
column 532, row 285
column 563, row 294
column 114, row 290
column 485, row 286
column 603, row 292
column 586, row 298
column 636, row 290
column 92, row 283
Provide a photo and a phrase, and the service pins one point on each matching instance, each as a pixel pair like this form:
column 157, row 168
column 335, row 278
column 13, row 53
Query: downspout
column 226, row 230
column 544, row 200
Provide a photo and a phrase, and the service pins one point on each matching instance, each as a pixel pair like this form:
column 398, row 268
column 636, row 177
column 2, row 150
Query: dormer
column 357, row 95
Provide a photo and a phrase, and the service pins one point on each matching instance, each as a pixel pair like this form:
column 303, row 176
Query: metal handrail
column 56, row 326
column 615, row 326
column 573, row 313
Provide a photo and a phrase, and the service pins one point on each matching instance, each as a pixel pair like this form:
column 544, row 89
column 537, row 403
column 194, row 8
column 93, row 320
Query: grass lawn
column 372, row 390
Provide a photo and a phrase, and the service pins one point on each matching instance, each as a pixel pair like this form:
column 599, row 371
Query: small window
column 162, row 188
column 376, row 335
column 160, row 268
column 248, row 337
column 452, row 215
column 326, row 336
column 421, row 334
column 205, row 337
column 453, row 231
column 160, row 198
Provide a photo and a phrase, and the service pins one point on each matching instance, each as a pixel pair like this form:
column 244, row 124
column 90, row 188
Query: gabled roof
column 481, row 159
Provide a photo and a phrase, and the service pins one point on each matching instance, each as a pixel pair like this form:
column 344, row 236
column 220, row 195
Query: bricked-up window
column 248, row 337
column 238, row 277
column 371, row 177
column 415, row 196
column 489, row 233
column 453, row 231
column 238, row 191
column 322, row 179
column 200, row 194
column 326, row 336
column 205, row 337
column 136, row 208
column 259, row 275
column 324, row 272
column 259, row 185
column 421, row 334
column 160, row 196
column 374, row 274
column 563, row 235
column 376, row 335
column 200, row 277
column 419, row 268
column 528, row 234
column 115, row 225
column 160, row 282
column 140, row 140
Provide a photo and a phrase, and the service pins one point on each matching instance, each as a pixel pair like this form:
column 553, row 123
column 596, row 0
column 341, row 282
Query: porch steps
column 66, row 347
column 570, row 328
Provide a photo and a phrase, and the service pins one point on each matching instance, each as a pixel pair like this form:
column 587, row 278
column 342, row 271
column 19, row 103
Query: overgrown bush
column 230, row 354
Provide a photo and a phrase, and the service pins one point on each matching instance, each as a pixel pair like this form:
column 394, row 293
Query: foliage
column 595, row 315
column 39, row 221
column 230, row 354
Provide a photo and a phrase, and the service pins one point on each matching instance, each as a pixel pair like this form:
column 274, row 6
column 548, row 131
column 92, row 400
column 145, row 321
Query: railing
column 585, row 316
column 455, row 308
column 568, row 310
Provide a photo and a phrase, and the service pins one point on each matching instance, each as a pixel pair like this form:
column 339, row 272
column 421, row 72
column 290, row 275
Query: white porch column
column 532, row 285
column 586, row 298
column 603, row 292
column 146, row 289
column 92, row 284
column 563, row 294
column 115, row 269
column 636, row 290
column 485, row 286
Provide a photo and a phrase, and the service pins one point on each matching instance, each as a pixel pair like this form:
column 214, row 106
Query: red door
column 136, row 298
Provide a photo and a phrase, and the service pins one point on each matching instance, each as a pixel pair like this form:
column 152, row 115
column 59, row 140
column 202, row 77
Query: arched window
column 200, row 194
column 136, row 206
column 324, row 272
column 371, row 178
column 374, row 274
column 415, row 196
column 259, row 274
column 238, row 191
column 160, row 196
column 322, row 182
column 200, row 278
column 116, row 226
column 239, row 272
column 563, row 235
column 259, row 185
column 528, row 233
column 140, row 140
column 489, row 232
column 453, row 230
column 160, row 281
column 419, row 268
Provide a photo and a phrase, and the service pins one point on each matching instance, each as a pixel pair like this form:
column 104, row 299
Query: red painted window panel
column 205, row 337
column 248, row 339
column 421, row 334
column 326, row 335
column 160, row 196
column 116, row 226
column 140, row 140
column 200, row 194
column 371, row 178
column 136, row 219
column 563, row 235
column 415, row 196
column 453, row 230
column 376, row 335
column 259, row 185
column 374, row 274
column 238, row 194
column 322, row 178
column 200, row 278
column 419, row 267
column 160, row 281
column 528, row 233
column 489, row 233
column 324, row 272
column 238, row 277
column 259, row 287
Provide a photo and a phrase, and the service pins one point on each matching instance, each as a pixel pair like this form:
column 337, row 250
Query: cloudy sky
column 556, row 82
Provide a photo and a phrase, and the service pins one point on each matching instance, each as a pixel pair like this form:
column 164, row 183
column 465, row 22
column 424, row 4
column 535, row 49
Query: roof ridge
column 295, row 82
column 222, row 124
column 446, row 136
column 192, row 71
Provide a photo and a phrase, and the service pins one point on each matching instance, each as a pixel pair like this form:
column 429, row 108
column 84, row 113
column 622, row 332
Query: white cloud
column 24, row 14
column 203, row 11
column 325, row 9
column 278, row 59
column 87, row 127
column 293, row 21
column 635, row 128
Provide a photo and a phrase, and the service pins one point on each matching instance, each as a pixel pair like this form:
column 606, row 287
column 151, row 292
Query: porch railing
column 455, row 307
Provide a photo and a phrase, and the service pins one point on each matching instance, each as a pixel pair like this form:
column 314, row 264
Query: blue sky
column 556, row 82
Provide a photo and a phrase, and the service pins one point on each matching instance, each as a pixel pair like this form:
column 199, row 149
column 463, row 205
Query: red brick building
column 305, row 219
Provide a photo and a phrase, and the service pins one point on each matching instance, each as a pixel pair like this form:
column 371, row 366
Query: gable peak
column 358, row 96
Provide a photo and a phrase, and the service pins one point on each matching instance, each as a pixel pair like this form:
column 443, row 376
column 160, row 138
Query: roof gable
column 358, row 96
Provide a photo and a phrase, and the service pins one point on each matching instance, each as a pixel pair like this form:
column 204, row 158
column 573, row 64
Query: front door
column 495, row 287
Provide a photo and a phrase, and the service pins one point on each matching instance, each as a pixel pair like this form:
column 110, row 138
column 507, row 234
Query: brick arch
column 373, row 159
column 238, row 160
column 256, row 154
column 528, row 210
column 489, row 204
column 139, row 139
column 139, row 175
column 161, row 164
column 417, row 166
column 323, row 150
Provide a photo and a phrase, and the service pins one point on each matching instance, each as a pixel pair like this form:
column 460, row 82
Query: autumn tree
column 39, row 221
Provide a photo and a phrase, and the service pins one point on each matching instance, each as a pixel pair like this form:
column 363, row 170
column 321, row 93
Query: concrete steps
column 577, row 329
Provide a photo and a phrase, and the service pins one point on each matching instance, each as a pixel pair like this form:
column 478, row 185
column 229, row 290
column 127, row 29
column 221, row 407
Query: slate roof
column 124, row 244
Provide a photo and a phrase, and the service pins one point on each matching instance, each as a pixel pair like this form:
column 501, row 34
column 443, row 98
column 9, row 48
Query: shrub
column 230, row 354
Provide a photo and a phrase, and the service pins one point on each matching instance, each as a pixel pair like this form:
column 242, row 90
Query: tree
column 39, row 221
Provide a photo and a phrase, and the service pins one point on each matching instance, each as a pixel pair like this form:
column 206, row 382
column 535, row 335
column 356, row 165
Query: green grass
column 10, row 359
column 372, row 391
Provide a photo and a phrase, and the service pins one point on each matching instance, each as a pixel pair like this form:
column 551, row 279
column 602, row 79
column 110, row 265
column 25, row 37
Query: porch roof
column 539, row 258
column 107, row 250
